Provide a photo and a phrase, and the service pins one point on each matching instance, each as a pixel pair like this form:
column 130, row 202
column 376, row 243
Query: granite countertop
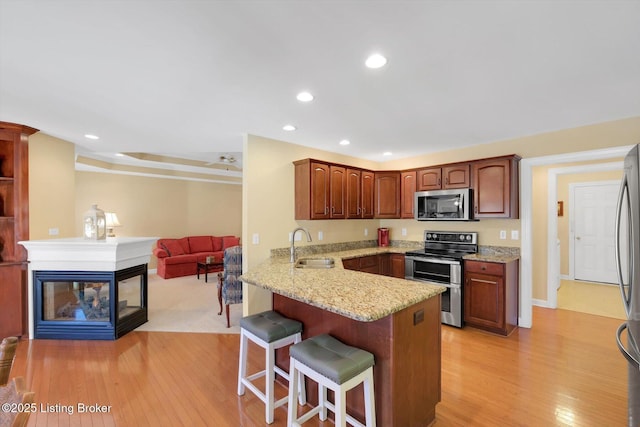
column 499, row 258
column 361, row 296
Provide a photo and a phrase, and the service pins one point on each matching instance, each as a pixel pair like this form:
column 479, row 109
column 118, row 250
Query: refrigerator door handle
column 623, row 350
column 624, row 189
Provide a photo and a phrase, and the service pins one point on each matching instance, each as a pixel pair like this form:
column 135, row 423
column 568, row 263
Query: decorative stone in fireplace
column 82, row 289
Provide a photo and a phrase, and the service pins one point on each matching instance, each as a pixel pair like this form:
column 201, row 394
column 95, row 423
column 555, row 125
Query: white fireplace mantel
column 79, row 254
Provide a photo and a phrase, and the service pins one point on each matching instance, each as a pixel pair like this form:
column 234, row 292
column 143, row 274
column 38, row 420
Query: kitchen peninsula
column 395, row 319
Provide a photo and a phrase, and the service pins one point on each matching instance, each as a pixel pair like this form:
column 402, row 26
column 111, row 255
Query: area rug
column 188, row 304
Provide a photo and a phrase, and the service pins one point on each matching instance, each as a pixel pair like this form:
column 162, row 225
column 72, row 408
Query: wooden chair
column 7, row 354
column 16, row 395
column 229, row 283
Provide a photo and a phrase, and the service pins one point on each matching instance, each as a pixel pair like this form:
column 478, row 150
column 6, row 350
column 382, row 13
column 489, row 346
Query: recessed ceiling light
column 345, row 142
column 89, row 136
column 376, row 61
column 387, row 153
column 289, row 128
column 304, row 97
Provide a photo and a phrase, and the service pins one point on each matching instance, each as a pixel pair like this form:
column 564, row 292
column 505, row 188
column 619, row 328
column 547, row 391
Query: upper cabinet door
column 495, row 188
column 456, row 176
column 407, row 193
column 320, row 184
column 429, row 179
column 387, row 195
column 368, row 194
column 338, row 192
column 354, row 193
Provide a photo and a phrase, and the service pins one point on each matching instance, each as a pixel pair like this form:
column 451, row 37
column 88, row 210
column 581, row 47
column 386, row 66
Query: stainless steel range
column 441, row 262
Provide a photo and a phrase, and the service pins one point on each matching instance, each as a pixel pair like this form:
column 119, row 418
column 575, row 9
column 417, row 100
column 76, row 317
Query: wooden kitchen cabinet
column 491, row 295
column 387, row 195
column 354, row 193
column 338, row 192
column 397, row 265
column 444, row 177
column 368, row 194
column 495, row 184
column 14, row 227
column 359, row 193
column 320, row 190
column 387, row 264
column 407, row 193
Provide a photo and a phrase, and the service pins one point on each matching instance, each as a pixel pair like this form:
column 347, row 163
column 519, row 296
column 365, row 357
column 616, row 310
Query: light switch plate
column 255, row 238
column 515, row 235
column 503, row 234
column 366, row 231
column 404, row 231
column 320, row 235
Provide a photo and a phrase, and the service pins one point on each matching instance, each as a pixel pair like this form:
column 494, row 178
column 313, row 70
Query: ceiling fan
column 227, row 159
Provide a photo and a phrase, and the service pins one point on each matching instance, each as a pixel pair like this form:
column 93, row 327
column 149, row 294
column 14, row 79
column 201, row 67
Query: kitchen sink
column 315, row 263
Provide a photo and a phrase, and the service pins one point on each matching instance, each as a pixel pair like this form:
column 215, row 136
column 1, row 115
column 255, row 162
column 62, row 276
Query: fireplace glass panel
column 130, row 295
column 76, row 301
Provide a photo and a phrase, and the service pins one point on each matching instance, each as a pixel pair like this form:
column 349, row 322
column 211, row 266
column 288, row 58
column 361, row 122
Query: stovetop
column 447, row 244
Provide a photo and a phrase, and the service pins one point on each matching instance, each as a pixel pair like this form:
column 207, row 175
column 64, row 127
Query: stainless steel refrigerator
column 628, row 260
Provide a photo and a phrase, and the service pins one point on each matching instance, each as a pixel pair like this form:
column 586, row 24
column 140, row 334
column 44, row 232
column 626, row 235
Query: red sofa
column 179, row 257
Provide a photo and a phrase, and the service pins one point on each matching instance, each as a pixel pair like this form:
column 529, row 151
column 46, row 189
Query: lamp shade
column 112, row 222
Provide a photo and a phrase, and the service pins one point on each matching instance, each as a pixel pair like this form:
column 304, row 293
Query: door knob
column 578, row 238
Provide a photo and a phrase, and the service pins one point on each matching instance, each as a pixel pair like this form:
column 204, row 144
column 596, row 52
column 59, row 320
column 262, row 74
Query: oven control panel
column 469, row 237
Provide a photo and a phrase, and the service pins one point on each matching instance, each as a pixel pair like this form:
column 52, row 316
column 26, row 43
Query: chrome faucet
column 293, row 239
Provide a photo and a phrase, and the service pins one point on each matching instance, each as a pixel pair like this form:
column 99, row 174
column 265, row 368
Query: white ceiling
column 195, row 76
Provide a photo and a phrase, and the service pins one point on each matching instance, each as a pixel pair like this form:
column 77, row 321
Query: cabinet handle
column 333, row 209
column 475, row 209
column 446, row 181
column 326, row 210
column 358, row 210
column 439, row 181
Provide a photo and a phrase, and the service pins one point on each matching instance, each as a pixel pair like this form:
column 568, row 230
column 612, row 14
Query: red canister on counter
column 383, row 237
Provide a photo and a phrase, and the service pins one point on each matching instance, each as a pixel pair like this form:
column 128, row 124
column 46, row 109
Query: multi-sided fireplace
column 89, row 305
column 83, row 289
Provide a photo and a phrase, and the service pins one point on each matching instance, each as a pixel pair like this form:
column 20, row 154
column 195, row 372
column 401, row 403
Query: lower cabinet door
column 484, row 301
column 11, row 300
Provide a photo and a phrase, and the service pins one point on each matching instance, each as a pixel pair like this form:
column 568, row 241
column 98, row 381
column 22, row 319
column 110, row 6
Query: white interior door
column 594, row 209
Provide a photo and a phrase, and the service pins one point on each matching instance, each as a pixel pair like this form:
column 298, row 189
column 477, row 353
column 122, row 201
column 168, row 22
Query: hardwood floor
column 565, row 371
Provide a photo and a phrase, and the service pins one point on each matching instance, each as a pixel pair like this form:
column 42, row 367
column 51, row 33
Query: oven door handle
column 433, row 260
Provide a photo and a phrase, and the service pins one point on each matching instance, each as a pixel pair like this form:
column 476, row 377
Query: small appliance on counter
column 383, row 237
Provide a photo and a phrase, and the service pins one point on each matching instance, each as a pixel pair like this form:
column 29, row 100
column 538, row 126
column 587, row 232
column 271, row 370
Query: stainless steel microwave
column 444, row 205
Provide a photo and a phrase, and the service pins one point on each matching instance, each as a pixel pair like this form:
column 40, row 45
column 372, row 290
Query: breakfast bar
column 395, row 319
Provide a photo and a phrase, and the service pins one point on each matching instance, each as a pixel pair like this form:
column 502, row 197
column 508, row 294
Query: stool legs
column 268, row 397
column 298, row 371
column 242, row 365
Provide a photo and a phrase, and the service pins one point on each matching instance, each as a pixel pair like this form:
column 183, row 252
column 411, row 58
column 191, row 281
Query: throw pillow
column 172, row 247
column 217, row 243
column 229, row 241
column 200, row 244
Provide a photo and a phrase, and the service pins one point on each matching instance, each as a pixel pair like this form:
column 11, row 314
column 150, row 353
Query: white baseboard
column 541, row 303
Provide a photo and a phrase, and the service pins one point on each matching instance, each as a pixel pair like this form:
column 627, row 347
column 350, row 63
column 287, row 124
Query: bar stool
column 336, row 366
column 270, row 330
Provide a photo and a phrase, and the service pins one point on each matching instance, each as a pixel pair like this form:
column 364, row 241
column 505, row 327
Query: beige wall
column 161, row 207
column 269, row 197
column 51, row 187
column 268, row 188
column 146, row 206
